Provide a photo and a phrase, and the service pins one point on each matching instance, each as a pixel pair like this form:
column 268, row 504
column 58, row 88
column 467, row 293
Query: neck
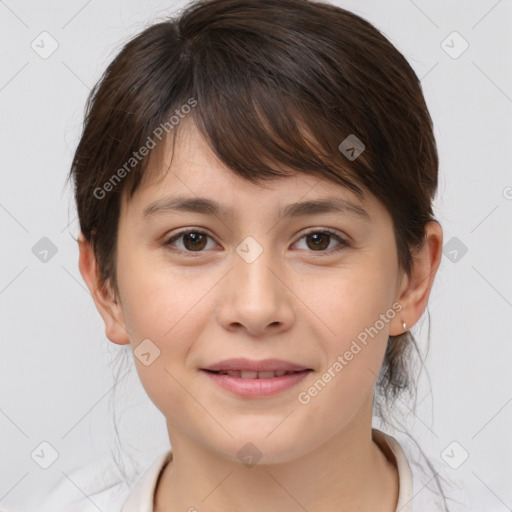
column 348, row 472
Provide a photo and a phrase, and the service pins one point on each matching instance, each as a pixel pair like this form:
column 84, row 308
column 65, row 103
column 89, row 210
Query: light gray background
column 56, row 372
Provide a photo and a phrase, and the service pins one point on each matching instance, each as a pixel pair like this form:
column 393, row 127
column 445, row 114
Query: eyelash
column 342, row 245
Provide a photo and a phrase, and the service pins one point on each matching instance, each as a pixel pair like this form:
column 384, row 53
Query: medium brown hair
column 277, row 85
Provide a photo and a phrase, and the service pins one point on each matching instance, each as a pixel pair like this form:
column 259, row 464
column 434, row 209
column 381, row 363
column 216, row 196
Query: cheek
column 350, row 300
column 167, row 314
column 353, row 359
column 169, row 311
column 157, row 297
column 353, row 309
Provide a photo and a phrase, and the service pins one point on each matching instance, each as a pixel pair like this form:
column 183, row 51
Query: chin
column 251, row 446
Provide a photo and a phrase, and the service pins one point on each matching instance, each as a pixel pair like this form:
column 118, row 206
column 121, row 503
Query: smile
column 253, row 384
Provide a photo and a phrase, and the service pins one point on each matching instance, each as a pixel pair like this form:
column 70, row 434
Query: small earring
column 404, row 325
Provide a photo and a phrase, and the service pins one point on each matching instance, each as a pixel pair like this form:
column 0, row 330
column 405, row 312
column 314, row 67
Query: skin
column 297, row 303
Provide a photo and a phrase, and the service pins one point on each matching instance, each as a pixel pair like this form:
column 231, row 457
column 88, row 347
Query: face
column 315, row 289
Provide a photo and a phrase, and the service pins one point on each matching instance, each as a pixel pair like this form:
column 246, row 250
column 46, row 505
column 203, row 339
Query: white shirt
column 418, row 491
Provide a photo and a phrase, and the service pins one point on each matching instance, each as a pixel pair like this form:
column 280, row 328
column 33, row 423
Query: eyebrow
column 206, row 206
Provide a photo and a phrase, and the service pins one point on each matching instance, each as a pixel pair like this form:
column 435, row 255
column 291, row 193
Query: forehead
column 192, row 178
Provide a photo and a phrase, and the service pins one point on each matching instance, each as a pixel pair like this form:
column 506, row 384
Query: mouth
column 263, row 367
column 255, row 379
column 248, row 374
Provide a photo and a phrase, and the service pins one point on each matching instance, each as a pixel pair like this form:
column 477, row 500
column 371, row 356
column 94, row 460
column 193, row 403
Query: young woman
column 254, row 186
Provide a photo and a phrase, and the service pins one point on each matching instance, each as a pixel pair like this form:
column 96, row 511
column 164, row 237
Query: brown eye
column 192, row 241
column 320, row 240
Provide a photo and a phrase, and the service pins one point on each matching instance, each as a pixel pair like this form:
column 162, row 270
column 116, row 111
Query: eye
column 320, row 239
column 194, row 240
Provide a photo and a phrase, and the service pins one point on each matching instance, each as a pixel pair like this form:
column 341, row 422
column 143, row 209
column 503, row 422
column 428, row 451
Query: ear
column 107, row 305
column 415, row 289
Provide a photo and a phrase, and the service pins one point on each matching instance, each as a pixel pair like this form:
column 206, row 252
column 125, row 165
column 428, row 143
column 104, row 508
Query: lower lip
column 254, row 388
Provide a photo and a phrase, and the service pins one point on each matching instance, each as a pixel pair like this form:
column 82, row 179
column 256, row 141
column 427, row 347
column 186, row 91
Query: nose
column 255, row 297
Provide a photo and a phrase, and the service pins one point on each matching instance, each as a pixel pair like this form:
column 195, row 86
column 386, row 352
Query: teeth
column 248, row 375
column 254, row 375
column 266, row 375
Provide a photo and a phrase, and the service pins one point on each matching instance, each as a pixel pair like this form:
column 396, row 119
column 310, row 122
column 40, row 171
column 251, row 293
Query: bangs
column 267, row 117
column 261, row 135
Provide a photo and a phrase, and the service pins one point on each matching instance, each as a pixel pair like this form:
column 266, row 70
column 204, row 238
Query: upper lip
column 263, row 365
